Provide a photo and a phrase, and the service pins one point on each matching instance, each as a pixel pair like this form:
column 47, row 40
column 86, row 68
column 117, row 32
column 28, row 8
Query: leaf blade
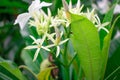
column 85, row 34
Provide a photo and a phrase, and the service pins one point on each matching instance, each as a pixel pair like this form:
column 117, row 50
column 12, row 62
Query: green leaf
column 45, row 74
column 27, row 56
column 28, row 73
column 106, row 45
column 113, row 61
column 108, row 18
column 9, row 71
column 13, row 4
column 86, row 43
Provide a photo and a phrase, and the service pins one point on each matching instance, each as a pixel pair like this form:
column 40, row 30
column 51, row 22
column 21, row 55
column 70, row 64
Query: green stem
column 57, row 59
column 72, row 59
column 65, row 55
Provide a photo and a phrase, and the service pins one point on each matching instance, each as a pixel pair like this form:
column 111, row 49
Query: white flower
column 38, row 46
column 41, row 22
column 32, row 10
column 77, row 9
column 100, row 26
column 63, row 13
column 91, row 15
column 62, row 16
column 56, row 22
column 56, row 42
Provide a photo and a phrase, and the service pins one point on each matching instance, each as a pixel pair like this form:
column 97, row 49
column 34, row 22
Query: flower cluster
column 43, row 23
column 78, row 11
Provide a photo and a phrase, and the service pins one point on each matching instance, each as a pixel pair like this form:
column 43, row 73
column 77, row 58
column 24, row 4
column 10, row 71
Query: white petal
column 35, row 4
column 78, row 4
column 45, row 48
column 22, row 19
column 49, row 12
column 97, row 19
column 52, row 34
column 103, row 29
column 32, row 37
column 49, row 46
column 38, row 41
column 58, row 51
column 36, row 54
column 61, row 34
column 104, row 24
column 31, row 47
column 45, row 4
column 62, row 42
column 37, row 1
column 50, row 37
column 43, row 39
column 70, row 5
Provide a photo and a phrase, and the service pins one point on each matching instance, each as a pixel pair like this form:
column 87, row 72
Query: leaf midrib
column 90, row 59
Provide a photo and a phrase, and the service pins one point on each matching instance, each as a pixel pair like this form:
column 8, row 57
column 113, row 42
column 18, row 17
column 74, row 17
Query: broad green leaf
column 106, row 45
column 45, row 74
column 86, row 43
column 9, row 71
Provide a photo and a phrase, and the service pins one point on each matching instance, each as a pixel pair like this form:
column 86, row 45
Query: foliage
column 84, row 56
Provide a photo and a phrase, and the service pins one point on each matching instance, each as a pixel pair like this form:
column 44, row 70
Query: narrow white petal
column 58, row 51
column 81, row 8
column 62, row 42
column 35, row 41
column 50, row 37
column 103, row 29
column 49, row 12
column 32, row 37
column 38, row 41
column 43, row 13
column 22, row 19
column 88, row 11
column 104, row 24
column 70, row 5
column 31, row 47
column 36, row 54
column 43, row 39
column 78, row 4
column 49, row 46
column 45, row 48
column 53, row 34
column 97, row 19
column 61, row 34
